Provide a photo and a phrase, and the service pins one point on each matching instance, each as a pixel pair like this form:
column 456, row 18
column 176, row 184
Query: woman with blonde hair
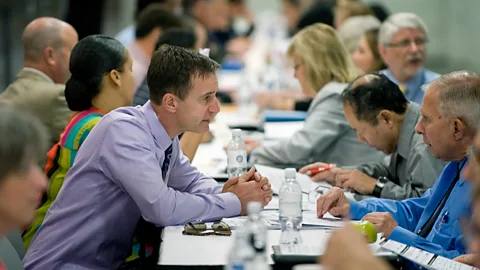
column 323, row 68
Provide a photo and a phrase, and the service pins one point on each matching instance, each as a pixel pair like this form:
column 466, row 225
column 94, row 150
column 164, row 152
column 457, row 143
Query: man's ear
column 115, row 77
column 459, row 128
column 170, row 103
column 48, row 55
column 385, row 117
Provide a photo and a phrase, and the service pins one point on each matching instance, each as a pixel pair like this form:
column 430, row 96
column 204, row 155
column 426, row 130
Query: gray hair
column 23, row 140
column 353, row 29
column 459, row 96
column 398, row 21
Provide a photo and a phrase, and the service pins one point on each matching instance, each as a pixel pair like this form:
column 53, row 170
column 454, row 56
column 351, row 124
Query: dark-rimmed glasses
column 407, row 42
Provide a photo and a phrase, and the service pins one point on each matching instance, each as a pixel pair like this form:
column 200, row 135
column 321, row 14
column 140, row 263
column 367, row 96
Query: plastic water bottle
column 290, row 194
column 237, row 155
column 242, row 253
column 258, row 231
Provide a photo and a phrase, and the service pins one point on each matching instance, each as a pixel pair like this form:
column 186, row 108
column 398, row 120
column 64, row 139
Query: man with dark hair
column 131, row 166
column 214, row 15
column 127, row 34
column 450, row 117
column 151, row 24
column 383, row 118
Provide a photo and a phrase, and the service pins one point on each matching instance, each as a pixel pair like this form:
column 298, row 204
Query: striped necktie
column 166, row 162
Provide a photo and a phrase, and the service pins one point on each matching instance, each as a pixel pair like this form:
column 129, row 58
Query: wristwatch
column 377, row 191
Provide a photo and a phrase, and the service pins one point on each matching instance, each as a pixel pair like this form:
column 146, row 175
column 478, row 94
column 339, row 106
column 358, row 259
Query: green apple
column 367, row 229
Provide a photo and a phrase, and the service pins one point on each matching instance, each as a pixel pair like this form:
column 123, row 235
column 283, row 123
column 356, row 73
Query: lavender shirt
column 116, row 179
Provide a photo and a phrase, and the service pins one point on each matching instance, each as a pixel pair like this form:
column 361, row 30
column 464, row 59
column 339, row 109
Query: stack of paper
column 310, row 219
column 327, row 221
column 277, row 176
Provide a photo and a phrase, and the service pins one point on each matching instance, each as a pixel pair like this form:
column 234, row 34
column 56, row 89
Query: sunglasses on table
column 201, row 229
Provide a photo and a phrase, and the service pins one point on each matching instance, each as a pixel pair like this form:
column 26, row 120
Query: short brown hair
column 354, row 8
column 173, row 69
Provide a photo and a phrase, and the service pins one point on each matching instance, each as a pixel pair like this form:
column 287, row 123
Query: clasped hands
column 250, row 187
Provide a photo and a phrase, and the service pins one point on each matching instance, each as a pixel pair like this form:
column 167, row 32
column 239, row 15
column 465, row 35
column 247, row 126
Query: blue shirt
column 127, row 35
column 414, row 86
column 446, row 236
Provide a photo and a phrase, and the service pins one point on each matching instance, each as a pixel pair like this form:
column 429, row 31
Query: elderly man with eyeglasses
column 402, row 41
column 450, row 116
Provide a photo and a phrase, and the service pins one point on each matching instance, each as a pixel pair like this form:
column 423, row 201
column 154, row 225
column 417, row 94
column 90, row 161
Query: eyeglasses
column 200, row 229
column 407, row 42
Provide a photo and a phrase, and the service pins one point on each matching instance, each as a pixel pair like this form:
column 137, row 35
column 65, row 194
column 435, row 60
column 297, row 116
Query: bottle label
column 237, row 158
column 238, row 267
column 290, row 205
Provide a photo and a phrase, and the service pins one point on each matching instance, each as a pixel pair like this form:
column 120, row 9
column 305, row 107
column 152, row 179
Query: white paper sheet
column 306, row 204
column 270, row 218
column 277, row 176
column 423, row 258
column 310, row 218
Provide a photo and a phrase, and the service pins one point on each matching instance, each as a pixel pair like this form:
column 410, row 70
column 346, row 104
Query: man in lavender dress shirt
column 121, row 172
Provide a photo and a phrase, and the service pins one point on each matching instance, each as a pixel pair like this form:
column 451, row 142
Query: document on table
column 270, row 218
column 277, row 176
column 306, row 204
column 423, row 258
column 309, row 218
column 327, row 221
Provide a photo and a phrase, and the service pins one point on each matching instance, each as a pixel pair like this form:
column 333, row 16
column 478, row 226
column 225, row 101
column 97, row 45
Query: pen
column 319, row 170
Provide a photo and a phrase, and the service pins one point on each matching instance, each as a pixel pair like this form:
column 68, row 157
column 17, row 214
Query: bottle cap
column 290, row 173
column 254, row 208
column 237, row 133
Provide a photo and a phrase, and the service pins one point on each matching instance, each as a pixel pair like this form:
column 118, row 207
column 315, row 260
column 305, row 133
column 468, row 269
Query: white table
column 186, row 250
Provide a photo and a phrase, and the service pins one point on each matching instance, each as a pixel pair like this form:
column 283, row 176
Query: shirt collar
column 38, row 72
column 157, row 129
column 411, row 84
column 407, row 130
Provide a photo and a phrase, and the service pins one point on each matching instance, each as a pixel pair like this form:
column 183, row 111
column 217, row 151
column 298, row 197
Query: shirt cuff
column 357, row 210
column 403, row 236
column 233, row 207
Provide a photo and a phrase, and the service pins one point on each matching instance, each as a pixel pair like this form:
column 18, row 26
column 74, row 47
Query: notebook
column 423, row 258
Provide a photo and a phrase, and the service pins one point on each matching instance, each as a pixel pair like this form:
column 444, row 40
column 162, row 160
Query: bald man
column 39, row 87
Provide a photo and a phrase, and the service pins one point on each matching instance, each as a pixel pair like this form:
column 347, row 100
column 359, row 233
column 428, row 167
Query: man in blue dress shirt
column 450, row 115
column 131, row 166
column 402, row 41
